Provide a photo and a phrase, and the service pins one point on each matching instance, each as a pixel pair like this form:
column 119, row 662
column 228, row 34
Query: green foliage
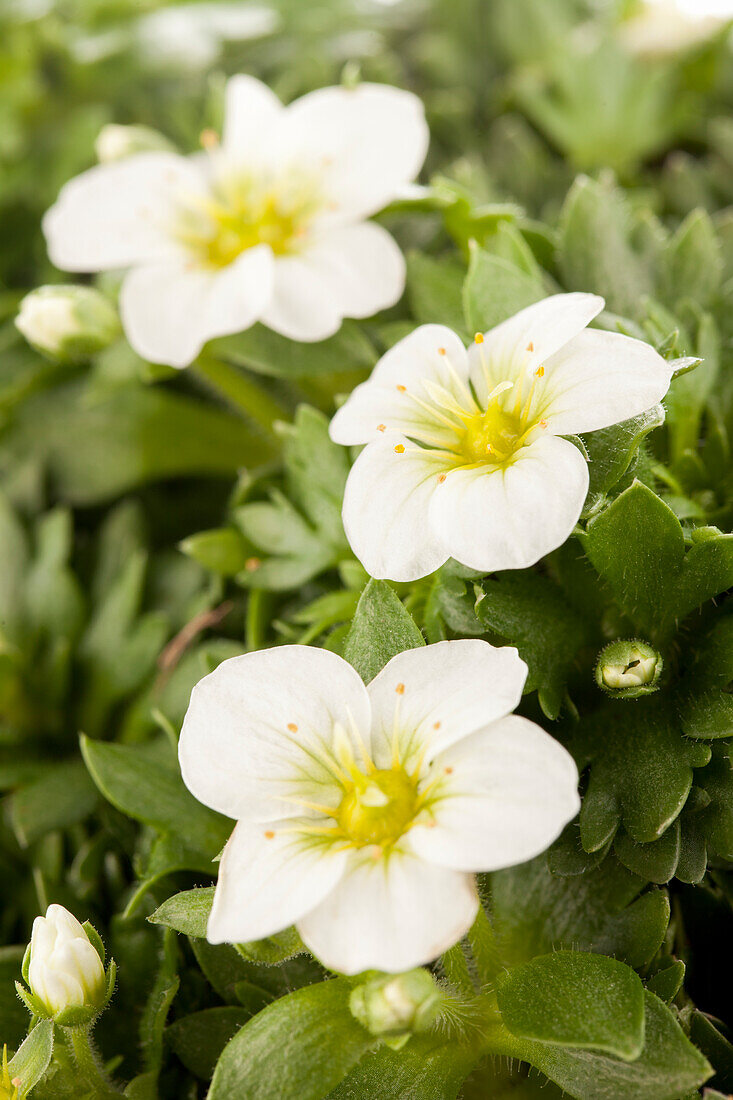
column 382, row 627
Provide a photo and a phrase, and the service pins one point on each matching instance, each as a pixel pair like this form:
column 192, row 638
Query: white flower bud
column 629, row 668
column 396, row 1005
column 67, row 323
column 117, row 142
column 65, row 970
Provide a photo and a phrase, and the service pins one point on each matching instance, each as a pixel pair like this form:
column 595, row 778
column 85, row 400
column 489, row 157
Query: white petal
column 433, row 354
column 390, row 914
column 512, row 790
column 601, row 378
column 251, row 117
column 349, row 271
column 119, row 214
column 267, row 882
column 438, row 694
column 170, row 310
column 493, row 519
column 530, row 337
column 256, row 728
column 386, row 504
column 367, row 141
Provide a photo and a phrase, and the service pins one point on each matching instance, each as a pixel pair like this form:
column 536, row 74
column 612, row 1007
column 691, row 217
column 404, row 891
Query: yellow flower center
column 491, row 436
column 242, row 212
column 378, row 810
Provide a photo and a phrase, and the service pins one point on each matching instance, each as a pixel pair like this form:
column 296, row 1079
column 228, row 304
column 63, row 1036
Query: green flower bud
column 397, row 1006
column 67, row 323
column 64, row 967
column 628, row 668
column 116, row 142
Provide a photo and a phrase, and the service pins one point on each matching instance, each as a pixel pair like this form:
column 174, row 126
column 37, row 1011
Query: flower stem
column 242, row 392
column 88, row 1063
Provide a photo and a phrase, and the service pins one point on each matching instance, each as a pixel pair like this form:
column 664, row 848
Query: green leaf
column 603, row 910
column 594, row 251
column 31, row 1060
column 704, row 697
column 435, row 290
column 638, row 547
column 531, row 612
column 692, row 263
column 669, row 1065
column 187, row 912
column 496, row 289
column 641, row 770
column 425, row 1069
column 575, row 999
column 667, row 982
column 316, row 469
column 382, row 627
column 266, row 352
column 611, row 452
column 153, row 793
column 298, row 1048
column 199, row 1039
column 96, row 451
column 657, row 861
column 62, row 797
column 221, row 550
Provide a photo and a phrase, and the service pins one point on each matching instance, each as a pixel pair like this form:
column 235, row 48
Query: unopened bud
column 629, row 668
column 115, row 142
column 397, row 1006
column 64, row 968
column 67, row 323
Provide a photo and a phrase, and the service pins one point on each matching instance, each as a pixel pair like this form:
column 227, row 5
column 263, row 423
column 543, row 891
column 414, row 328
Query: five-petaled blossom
column 465, row 456
column 362, row 812
column 269, row 226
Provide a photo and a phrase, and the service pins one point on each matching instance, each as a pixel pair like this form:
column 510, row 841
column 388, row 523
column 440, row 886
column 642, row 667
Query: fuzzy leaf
column 575, row 999
column 382, row 627
column 496, row 289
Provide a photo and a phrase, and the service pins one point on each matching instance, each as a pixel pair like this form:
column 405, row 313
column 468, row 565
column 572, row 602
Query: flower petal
column 268, row 879
column 438, row 694
column 349, row 271
column 386, row 504
column 368, row 142
column 512, row 790
column 257, row 728
column 170, row 310
column 390, row 914
column 601, row 378
column 118, row 214
column 252, row 116
column 433, row 354
column 531, row 336
column 494, row 518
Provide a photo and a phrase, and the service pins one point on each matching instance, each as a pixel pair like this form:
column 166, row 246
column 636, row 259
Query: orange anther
column 400, row 449
column 400, row 689
column 479, row 338
column 209, row 139
column 436, row 725
column 441, row 478
column 449, row 771
column 402, row 389
column 530, row 346
column 539, row 373
column 442, row 351
column 251, row 564
column 269, row 834
column 292, row 727
column 381, row 427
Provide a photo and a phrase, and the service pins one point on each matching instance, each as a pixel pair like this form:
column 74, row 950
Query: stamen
column 381, row 427
column 292, row 727
column 400, row 449
column 251, row 564
column 479, row 338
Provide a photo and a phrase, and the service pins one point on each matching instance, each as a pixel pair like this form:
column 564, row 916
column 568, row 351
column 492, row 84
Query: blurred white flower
column 65, row 971
column 363, row 811
column 68, row 323
column 190, row 36
column 115, row 142
column 271, row 226
column 465, row 456
column 666, row 27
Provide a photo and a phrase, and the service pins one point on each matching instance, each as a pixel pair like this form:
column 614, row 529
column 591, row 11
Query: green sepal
column 31, row 1002
column 76, row 1016
column 25, row 965
column 95, row 940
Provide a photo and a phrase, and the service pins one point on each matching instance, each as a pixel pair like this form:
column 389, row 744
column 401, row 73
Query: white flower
column 190, row 36
column 69, row 323
column 270, row 226
column 363, row 811
column 115, row 142
column 663, row 28
column 65, row 970
column 465, row 456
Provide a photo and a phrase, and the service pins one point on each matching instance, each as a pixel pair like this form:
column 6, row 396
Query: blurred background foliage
column 153, row 522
